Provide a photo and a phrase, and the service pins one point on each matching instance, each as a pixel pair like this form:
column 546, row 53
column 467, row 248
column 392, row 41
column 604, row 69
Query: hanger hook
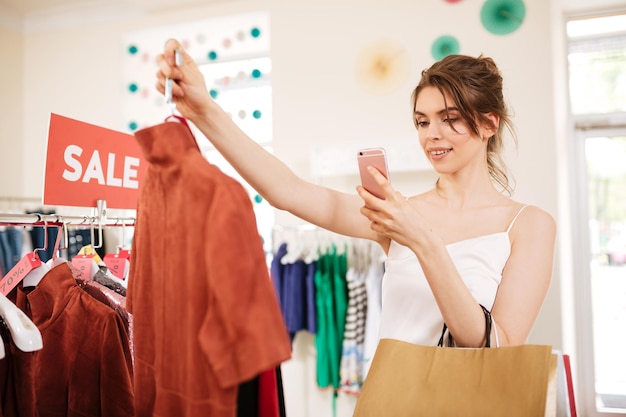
column 92, row 230
column 63, row 228
column 119, row 247
column 168, row 84
column 45, row 236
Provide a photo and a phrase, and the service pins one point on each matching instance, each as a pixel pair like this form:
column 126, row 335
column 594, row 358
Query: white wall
column 11, row 111
column 76, row 71
column 589, row 6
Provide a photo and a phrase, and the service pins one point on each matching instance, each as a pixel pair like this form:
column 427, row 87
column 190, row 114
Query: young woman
column 461, row 244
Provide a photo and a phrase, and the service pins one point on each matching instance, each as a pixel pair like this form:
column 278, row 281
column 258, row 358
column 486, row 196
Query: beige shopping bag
column 413, row 380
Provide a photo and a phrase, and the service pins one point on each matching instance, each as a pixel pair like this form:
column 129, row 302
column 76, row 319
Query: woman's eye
column 422, row 123
column 450, row 120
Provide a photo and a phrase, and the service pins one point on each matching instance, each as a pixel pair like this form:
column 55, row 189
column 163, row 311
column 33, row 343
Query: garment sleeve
column 133, row 265
column 116, row 372
column 243, row 332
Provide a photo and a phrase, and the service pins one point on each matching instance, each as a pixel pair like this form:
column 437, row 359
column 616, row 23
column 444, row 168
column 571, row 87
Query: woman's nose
column 433, row 131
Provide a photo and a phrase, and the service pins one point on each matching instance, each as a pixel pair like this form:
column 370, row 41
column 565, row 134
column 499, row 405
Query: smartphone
column 376, row 157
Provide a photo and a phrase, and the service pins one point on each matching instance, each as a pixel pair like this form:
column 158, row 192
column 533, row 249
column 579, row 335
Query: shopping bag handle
column 488, row 323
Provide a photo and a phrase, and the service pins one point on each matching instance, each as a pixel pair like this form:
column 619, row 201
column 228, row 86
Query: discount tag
column 85, row 264
column 117, row 265
column 28, row 262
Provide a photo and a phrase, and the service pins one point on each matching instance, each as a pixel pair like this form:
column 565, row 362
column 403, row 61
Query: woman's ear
column 491, row 125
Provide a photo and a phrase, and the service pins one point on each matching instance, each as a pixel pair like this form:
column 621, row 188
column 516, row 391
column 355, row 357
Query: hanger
column 39, row 269
column 56, row 260
column 24, row 333
column 118, row 264
column 168, row 88
column 86, row 262
column 303, row 246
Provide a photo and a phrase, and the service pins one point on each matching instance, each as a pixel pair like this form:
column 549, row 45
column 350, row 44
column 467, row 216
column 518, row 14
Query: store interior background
column 66, row 58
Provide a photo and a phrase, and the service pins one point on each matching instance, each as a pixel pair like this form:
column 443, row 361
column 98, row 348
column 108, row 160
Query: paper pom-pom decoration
column 502, row 17
column 443, row 46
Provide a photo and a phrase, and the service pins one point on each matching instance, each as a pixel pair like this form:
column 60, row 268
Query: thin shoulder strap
column 515, row 218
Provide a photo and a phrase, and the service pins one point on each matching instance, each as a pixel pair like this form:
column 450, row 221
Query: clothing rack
column 99, row 219
column 298, row 232
column 308, row 238
column 37, row 219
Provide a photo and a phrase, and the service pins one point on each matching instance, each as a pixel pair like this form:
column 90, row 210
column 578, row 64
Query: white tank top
column 409, row 311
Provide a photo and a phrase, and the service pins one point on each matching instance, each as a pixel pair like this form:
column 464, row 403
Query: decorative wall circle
column 382, row 66
column 502, row 17
column 443, row 46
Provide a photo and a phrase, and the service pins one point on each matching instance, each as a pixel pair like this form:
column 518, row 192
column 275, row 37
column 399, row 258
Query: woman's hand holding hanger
column 189, row 90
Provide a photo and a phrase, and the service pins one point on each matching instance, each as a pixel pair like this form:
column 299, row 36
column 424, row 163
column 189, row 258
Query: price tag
column 29, row 262
column 116, row 265
column 83, row 263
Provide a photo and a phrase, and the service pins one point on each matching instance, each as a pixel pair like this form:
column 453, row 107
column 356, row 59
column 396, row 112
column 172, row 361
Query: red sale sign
column 86, row 163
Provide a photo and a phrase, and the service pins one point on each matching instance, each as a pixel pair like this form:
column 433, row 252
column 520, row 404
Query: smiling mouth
column 440, row 152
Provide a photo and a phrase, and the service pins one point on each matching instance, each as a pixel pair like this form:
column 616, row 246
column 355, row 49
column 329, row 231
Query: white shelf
column 403, row 155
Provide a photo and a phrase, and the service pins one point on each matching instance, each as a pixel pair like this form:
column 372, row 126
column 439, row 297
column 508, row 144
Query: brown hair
column 475, row 85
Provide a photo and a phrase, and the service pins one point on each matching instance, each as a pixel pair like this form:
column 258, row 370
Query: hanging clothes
column 346, row 299
column 10, row 248
column 295, row 288
column 331, row 303
column 85, row 366
column 205, row 315
column 8, row 399
column 108, row 297
column 351, row 371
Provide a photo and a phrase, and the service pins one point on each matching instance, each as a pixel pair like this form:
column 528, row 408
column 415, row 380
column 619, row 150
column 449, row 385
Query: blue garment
column 295, row 289
column 15, row 244
column 278, row 271
column 293, row 296
column 4, row 252
column 10, row 248
column 38, row 236
column 298, row 290
column 311, row 324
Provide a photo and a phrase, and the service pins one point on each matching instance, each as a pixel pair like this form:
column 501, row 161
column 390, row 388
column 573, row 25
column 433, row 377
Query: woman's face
column 448, row 150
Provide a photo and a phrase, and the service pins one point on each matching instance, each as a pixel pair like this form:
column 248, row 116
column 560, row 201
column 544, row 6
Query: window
column 597, row 82
column 597, row 64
